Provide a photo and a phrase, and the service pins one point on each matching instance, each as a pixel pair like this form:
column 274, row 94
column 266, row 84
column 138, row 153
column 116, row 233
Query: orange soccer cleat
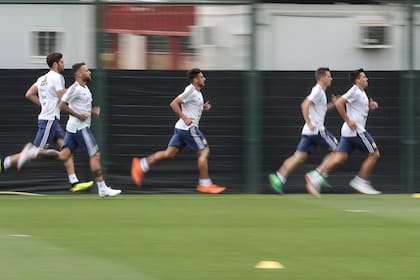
column 137, row 173
column 212, row 189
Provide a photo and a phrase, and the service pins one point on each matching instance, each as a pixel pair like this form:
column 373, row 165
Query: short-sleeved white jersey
column 191, row 106
column 317, row 110
column 357, row 110
column 47, row 86
column 79, row 99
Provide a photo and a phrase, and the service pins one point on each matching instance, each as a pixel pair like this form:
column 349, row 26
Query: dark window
column 158, row 43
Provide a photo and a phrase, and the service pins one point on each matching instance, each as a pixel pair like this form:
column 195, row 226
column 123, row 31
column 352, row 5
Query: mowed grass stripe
column 224, row 237
column 25, row 258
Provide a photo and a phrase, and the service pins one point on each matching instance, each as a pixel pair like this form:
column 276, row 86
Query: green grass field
column 209, row 237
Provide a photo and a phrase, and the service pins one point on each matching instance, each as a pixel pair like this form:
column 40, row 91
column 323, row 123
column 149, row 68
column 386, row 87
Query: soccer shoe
column 107, row 191
column 313, row 183
column 25, row 155
column 137, row 173
column 212, row 189
column 363, row 187
column 81, row 186
column 275, row 183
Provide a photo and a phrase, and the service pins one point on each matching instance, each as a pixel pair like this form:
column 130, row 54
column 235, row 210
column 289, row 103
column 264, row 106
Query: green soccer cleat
column 81, row 186
column 275, row 183
column 324, row 182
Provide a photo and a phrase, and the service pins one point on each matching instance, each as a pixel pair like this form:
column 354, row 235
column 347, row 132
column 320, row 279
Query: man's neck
column 197, row 87
column 81, row 82
column 361, row 88
column 322, row 86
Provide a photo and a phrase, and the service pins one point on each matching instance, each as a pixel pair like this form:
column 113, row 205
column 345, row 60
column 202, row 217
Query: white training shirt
column 47, row 86
column 317, row 110
column 191, row 106
column 357, row 110
column 79, row 99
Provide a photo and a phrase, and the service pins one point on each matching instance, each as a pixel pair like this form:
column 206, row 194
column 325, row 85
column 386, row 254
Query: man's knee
column 376, row 155
column 339, row 158
column 300, row 157
column 170, row 154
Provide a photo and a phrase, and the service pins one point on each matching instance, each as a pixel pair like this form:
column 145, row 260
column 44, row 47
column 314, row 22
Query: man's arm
column 65, row 108
column 60, row 93
column 331, row 105
column 32, row 95
column 305, row 112
column 373, row 105
column 340, row 105
column 176, row 107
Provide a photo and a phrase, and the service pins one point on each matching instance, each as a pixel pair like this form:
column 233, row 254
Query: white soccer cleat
column 25, row 155
column 107, row 191
column 313, row 190
column 313, row 185
column 362, row 187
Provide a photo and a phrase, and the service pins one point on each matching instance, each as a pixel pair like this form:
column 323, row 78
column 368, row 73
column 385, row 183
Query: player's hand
column 96, row 111
column 311, row 126
column 334, row 98
column 207, row 106
column 373, row 105
column 351, row 124
column 187, row 120
column 83, row 117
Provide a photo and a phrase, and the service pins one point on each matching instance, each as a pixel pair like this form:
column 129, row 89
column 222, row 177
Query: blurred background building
column 289, row 36
column 259, row 57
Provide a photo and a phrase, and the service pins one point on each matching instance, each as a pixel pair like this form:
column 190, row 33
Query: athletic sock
column 144, row 165
column 281, row 177
column 101, row 185
column 73, row 179
column 361, row 180
column 7, row 163
column 325, row 175
column 205, row 182
column 34, row 152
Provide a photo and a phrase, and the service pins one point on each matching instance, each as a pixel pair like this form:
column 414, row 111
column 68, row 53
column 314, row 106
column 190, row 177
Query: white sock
column 7, row 163
column 73, row 178
column 325, row 175
column 34, row 152
column 281, row 177
column 144, row 165
column 205, row 182
column 361, row 180
column 101, row 185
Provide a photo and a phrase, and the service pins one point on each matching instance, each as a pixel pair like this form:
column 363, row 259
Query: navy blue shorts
column 324, row 139
column 363, row 142
column 192, row 138
column 49, row 131
column 82, row 138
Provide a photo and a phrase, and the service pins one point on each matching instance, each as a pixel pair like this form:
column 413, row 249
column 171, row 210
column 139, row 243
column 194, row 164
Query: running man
column 354, row 108
column 314, row 134
column 47, row 92
column 188, row 106
column 77, row 102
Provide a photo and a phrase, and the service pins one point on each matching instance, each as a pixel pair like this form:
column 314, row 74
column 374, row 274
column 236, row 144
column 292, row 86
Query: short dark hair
column 321, row 72
column 354, row 75
column 191, row 74
column 76, row 67
column 53, row 57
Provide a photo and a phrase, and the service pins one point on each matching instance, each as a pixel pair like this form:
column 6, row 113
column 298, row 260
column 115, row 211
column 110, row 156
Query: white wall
column 304, row 37
column 290, row 36
column 17, row 22
column 229, row 47
column 296, row 37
